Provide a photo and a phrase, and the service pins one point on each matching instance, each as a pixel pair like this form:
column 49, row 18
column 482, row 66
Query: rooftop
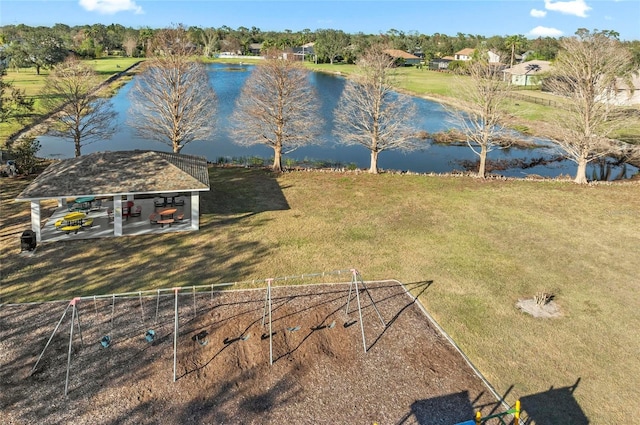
column 119, row 172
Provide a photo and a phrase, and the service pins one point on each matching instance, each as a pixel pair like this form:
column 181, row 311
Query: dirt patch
column 410, row 374
column 546, row 311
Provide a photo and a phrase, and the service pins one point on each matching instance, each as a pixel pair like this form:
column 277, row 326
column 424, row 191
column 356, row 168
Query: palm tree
column 514, row 42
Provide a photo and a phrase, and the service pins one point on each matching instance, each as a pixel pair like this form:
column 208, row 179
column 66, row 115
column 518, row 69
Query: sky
column 531, row 18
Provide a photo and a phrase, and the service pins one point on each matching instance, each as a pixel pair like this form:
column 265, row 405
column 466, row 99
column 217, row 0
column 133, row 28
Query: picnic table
column 168, row 198
column 168, row 221
column 84, row 202
column 167, row 213
column 74, row 218
column 70, row 228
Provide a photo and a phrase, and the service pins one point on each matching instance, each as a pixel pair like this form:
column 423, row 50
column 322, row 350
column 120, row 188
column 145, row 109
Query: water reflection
column 228, row 80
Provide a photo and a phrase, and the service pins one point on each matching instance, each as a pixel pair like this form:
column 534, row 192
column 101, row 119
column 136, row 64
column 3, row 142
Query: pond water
column 228, row 80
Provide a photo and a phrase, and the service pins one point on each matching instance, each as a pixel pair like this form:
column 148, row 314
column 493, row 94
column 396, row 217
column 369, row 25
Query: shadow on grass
column 216, row 253
column 557, row 406
column 554, row 406
column 238, row 190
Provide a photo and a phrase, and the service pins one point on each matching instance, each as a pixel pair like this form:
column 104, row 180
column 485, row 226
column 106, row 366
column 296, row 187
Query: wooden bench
column 153, row 218
column 180, row 217
column 168, row 221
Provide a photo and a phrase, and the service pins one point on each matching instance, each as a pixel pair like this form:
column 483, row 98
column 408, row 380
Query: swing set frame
column 357, row 285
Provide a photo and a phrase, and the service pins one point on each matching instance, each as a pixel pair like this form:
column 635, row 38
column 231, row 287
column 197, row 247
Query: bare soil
column 545, row 311
column 410, row 373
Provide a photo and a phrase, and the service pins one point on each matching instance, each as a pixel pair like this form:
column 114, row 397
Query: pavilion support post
column 195, row 210
column 35, row 220
column 117, row 215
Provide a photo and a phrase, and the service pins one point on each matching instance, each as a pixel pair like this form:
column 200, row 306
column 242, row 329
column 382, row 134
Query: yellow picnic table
column 74, row 216
column 70, row 228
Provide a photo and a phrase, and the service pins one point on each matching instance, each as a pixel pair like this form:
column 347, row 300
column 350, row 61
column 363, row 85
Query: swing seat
column 201, row 338
column 245, row 337
column 294, row 329
column 105, row 341
column 266, row 335
column 150, row 335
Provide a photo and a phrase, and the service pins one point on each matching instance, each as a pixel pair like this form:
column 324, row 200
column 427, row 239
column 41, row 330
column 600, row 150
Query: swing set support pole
column 270, row 331
column 73, row 317
column 364, row 341
column 175, row 333
column 354, row 282
column 50, row 338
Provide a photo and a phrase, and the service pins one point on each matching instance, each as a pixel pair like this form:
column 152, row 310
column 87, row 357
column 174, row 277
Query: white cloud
column 109, row 7
column 538, row 13
column 541, row 31
column 574, row 7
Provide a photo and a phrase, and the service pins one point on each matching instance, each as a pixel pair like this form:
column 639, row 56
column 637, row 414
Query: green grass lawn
column 484, row 244
column 28, row 80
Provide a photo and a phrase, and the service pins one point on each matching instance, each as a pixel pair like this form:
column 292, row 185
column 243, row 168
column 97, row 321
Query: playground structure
column 150, row 333
column 502, row 418
column 228, row 364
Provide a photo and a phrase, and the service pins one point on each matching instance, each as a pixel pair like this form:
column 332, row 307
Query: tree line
column 27, row 46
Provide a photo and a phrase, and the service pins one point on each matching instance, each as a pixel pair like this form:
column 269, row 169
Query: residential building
column 408, row 58
column 527, row 73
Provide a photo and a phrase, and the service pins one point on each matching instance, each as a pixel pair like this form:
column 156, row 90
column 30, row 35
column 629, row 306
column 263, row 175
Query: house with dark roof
column 406, row 57
column 440, row 64
column 119, row 176
column 301, row 52
column 255, row 49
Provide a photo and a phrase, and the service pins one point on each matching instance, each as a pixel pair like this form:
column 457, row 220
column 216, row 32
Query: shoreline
column 536, row 128
column 39, row 126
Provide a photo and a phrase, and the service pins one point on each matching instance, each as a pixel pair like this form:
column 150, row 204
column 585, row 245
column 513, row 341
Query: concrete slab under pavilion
column 117, row 178
column 103, row 227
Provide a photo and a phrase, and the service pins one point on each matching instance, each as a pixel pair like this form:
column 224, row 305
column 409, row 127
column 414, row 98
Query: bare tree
column 370, row 113
column 130, row 43
column 82, row 115
column 483, row 96
column 278, row 107
column 586, row 72
column 173, row 101
column 210, row 40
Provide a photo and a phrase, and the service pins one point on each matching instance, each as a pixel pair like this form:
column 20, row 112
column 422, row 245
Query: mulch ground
column 410, row 373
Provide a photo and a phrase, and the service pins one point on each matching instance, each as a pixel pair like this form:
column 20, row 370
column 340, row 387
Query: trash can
column 28, row 241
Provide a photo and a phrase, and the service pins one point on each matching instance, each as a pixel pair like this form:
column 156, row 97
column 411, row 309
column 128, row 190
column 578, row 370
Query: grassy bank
column 484, row 244
column 28, row 80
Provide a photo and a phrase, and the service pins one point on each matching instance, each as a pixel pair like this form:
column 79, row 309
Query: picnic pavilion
column 118, row 177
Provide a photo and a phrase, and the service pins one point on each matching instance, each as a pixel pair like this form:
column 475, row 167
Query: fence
column 539, row 101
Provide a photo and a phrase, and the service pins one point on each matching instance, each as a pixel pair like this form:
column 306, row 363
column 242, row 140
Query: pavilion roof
column 119, row 172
